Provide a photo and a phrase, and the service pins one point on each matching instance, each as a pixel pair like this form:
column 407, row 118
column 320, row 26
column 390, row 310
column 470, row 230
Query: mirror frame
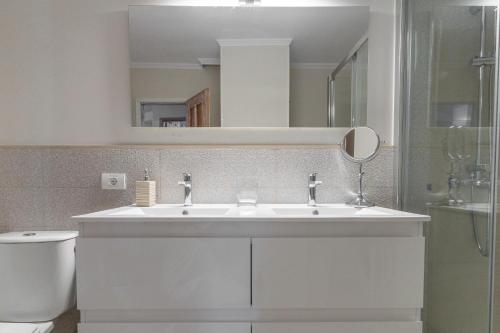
column 359, row 160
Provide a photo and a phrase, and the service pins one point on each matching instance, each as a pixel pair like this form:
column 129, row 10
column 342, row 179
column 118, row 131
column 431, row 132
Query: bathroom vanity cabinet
column 240, row 274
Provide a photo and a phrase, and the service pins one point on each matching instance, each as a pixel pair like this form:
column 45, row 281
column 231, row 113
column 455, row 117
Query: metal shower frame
column 352, row 55
column 405, row 75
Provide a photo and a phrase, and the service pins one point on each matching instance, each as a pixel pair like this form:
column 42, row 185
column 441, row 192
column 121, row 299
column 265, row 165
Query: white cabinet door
column 164, row 328
column 328, row 273
column 361, row 327
column 163, row 273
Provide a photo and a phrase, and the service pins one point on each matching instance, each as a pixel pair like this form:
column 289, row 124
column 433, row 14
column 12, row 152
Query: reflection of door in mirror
column 174, row 112
column 349, row 143
column 198, row 110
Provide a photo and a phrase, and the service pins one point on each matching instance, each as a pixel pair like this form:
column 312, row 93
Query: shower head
column 474, row 10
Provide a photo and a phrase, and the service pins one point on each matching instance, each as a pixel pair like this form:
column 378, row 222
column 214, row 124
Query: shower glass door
column 448, row 150
column 347, row 89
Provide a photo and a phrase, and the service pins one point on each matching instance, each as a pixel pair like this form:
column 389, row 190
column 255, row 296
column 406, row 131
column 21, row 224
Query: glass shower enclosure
column 347, row 88
column 449, row 150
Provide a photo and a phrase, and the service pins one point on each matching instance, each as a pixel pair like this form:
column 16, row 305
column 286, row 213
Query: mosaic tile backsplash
column 42, row 187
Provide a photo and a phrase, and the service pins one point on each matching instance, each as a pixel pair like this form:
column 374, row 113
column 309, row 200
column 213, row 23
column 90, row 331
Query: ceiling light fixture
column 249, row 2
column 267, row 3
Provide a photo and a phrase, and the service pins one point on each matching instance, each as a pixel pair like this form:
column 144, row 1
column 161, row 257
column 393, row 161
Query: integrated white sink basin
column 261, row 212
column 263, row 220
column 171, row 211
column 331, row 210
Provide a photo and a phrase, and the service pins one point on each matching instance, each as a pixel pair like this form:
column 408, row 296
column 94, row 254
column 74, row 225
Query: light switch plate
column 113, row 181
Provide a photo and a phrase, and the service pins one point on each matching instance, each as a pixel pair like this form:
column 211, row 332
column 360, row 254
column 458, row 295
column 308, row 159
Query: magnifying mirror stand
column 360, row 201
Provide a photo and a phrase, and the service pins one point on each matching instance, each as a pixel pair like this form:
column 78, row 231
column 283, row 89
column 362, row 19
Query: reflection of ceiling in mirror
column 170, row 35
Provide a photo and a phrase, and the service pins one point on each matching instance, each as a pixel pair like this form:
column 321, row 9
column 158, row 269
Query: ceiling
column 182, row 35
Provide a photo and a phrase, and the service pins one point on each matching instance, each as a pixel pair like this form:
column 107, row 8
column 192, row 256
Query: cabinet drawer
column 163, row 273
column 164, row 328
column 361, row 327
column 326, row 273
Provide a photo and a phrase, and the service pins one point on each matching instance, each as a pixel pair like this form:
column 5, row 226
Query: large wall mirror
column 248, row 66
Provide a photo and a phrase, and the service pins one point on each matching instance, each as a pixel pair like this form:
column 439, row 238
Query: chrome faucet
column 188, row 185
column 313, row 183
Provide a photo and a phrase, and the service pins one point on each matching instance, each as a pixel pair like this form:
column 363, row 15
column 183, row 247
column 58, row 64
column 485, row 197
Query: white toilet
column 37, row 279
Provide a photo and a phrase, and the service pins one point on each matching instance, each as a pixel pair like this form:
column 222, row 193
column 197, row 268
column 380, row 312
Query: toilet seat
column 26, row 327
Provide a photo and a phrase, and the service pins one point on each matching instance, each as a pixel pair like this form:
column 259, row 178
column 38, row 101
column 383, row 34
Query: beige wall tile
column 73, row 167
column 22, row 208
column 54, row 183
column 21, row 167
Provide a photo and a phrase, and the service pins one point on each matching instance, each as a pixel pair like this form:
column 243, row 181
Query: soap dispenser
column 145, row 191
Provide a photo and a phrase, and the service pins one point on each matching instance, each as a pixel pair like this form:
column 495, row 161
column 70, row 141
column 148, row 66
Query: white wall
column 63, row 71
column 64, row 79
column 308, row 97
column 382, row 68
column 255, row 85
column 364, row 143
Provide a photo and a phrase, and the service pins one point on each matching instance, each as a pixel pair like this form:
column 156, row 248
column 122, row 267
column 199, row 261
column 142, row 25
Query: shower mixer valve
column 479, row 176
column 454, row 186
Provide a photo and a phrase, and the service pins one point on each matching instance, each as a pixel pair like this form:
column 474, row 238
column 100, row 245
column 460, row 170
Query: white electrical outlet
column 113, row 181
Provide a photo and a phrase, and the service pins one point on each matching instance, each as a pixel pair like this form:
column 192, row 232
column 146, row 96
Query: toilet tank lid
column 37, row 236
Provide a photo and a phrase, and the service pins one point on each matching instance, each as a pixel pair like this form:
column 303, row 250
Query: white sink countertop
column 263, row 220
column 261, row 212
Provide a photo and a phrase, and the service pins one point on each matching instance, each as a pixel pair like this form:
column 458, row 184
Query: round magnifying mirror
column 360, row 144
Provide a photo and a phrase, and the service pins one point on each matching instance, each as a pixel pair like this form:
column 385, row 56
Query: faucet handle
column 186, row 179
column 312, row 179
